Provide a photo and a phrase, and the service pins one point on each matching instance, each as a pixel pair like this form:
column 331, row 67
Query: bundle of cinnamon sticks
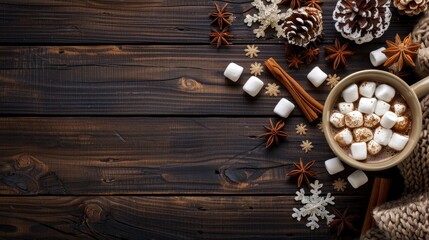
column 310, row 107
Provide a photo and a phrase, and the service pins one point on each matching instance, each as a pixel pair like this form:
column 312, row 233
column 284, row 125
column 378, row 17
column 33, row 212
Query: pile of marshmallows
column 356, row 179
column 368, row 128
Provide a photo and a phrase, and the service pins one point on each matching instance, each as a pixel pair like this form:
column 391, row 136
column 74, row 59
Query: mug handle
column 421, row 88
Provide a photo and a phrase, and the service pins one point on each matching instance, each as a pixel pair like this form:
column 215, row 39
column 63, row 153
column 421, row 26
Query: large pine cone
column 303, row 26
column 411, row 7
column 362, row 20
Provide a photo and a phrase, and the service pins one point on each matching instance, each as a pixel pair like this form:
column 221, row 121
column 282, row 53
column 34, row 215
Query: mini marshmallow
column 283, row 108
column 344, row 138
column 358, row 151
column 399, row 109
column 350, row 94
column 371, row 120
column 345, row 107
column 362, row 134
column 367, row 105
column 233, row 72
column 337, row 120
column 388, row 120
column 357, row 178
column 398, row 142
column 367, row 89
column 401, row 124
column 373, row 147
column 377, row 57
column 253, row 86
column 317, row 76
column 385, row 92
column 381, row 107
column 382, row 135
column 334, row 165
column 353, row 119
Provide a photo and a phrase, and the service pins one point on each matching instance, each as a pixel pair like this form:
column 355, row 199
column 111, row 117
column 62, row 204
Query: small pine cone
column 411, row 7
column 303, row 26
column 362, row 20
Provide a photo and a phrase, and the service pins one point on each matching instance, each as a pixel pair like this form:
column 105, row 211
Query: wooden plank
column 175, row 217
column 137, row 155
column 140, row 22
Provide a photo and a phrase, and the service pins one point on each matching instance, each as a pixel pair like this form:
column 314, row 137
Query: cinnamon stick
column 309, row 106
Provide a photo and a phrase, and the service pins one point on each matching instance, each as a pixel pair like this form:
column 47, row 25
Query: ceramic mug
column 411, row 95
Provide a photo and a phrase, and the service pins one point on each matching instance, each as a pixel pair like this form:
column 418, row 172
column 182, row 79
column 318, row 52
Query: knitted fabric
column 408, row 217
column 420, row 35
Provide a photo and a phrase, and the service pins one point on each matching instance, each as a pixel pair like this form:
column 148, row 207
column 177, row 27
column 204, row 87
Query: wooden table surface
column 117, row 123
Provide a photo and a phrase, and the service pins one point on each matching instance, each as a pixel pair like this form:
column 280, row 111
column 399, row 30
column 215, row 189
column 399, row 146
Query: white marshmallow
column 371, row 120
column 334, row 165
column 283, row 108
column 233, row 72
column 344, row 138
column 337, row 120
column 388, row 120
column 357, row 178
column 398, row 142
column 367, row 89
column 399, row 109
column 350, row 94
column 382, row 135
column 367, row 105
column 353, row 119
column 362, row 134
column 345, row 107
column 381, row 107
column 317, row 76
column 377, row 57
column 358, row 151
column 373, row 147
column 253, row 86
column 401, row 124
column 385, row 92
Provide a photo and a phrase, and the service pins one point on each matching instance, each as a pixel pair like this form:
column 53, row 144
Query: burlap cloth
column 408, row 217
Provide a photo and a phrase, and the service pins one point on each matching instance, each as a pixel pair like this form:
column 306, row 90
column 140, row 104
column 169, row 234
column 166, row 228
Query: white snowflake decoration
column 268, row 15
column 314, row 206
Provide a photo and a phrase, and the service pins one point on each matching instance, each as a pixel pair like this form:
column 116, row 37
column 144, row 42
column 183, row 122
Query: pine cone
column 362, row 20
column 303, row 26
column 411, row 7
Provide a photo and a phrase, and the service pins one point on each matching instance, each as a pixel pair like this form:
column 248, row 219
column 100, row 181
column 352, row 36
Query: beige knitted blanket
column 408, row 217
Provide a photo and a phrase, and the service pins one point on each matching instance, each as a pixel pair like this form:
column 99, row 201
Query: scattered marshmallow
column 359, row 151
column 317, row 76
column 334, row 165
column 388, row 120
column 362, row 134
column 377, row 57
column 233, row 72
column 353, row 119
column 401, row 124
column 398, row 142
column 345, row 107
column 385, row 92
column 284, row 107
column 381, row 107
column 337, row 119
column 373, row 147
column 344, row 138
column 350, row 94
column 399, row 109
column 367, row 89
column 357, row 178
column 382, row 135
column 367, row 105
column 371, row 120
column 253, row 86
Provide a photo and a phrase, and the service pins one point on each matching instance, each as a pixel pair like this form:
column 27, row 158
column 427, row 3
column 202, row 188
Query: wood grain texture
column 175, row 217
column 140, row 22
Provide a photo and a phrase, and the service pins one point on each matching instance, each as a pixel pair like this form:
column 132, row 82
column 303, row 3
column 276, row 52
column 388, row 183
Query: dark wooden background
column 117, row 123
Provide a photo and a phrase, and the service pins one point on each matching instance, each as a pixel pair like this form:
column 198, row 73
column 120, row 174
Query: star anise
column 314, row 4
column 292, row 3
column 342, row 221
column 220, row 37
column 401, row 52
column 294, row 60
column 274, row 132
column 337, row 54
column 221, row 16
column 303, row 172
column 311, row 54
